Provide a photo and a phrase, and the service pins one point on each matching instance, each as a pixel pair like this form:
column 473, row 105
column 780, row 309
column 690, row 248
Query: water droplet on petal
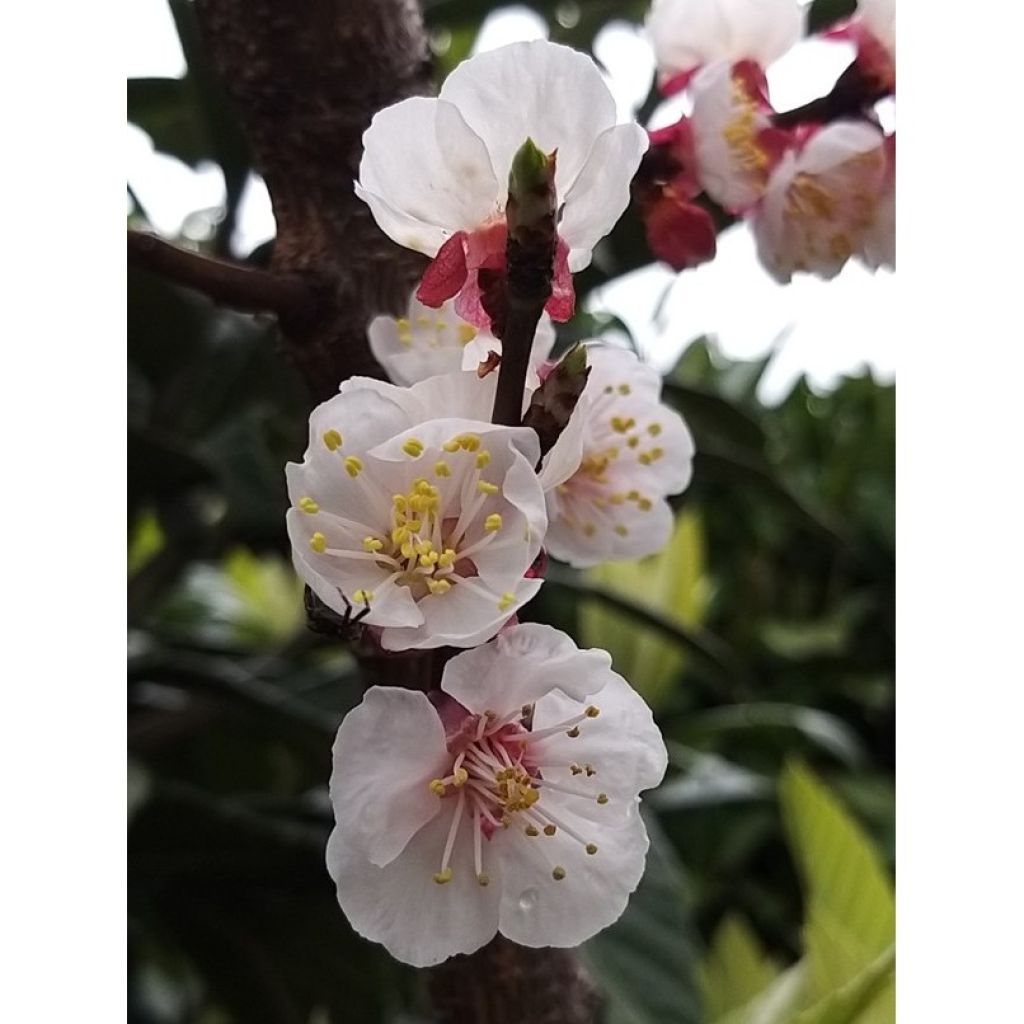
column 528, row 899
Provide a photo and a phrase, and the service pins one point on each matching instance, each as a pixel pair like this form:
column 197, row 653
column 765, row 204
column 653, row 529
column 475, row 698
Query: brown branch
column 229, row 284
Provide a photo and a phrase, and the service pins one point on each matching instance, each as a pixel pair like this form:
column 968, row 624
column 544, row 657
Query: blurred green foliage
column 764, row 632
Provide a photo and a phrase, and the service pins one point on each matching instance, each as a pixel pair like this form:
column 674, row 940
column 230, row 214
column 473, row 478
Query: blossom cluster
column 816, row 185
column 505, row 798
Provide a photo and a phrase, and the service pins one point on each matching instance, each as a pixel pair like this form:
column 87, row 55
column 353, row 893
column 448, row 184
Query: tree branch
column 229, row 284
column 852, row 96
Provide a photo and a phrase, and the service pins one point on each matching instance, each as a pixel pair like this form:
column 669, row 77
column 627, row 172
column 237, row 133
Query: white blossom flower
column 427, row 342
column 509, row 803
column 872, row 29
column 689, row 33
column 435, row 172
column 607, row 476
column 735, row 144
column 410, row 504
column 822, row 202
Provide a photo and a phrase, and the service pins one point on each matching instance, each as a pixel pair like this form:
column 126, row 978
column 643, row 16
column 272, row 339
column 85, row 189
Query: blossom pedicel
column 435, row 172
column 510, row 804
column 429, row 520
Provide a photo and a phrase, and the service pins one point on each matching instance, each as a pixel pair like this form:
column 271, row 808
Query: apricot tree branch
column 229, row 284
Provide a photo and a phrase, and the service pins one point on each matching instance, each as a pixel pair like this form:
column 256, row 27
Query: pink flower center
column 497, row 780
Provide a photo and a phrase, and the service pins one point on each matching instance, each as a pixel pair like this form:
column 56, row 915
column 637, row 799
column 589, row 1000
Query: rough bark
column 306, row 79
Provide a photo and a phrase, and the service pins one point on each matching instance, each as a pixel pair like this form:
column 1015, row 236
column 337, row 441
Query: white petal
column 623, row 744
column 600, row 194
column 879, row 17
column 403, row 228
column 386, row 753
column 428, row 165
column 538, row 90
column 522, row 665
column 538, row 910
column 564, row 458
column 460, row 618
column 689, row 33
column 418, row 921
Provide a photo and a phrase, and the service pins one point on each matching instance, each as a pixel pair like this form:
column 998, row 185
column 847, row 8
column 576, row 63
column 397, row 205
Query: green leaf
column 708, row 780
column 737, row 968
column 848, row 889
column 166, row 110
column 672, row 583
column 647, row 961
column 867, row 999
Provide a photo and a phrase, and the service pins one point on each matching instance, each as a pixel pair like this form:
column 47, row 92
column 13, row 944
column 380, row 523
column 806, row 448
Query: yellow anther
column 413, row 447
column 593, row 711
column 429, row 560
column 633, row 495
column 413, row 526
column 507, row 600
column 362, row 596
column 492, row 523
column 621, row 530
column 403, row 324
column 590, row 770
column 589, row 529
column 558, row 873
column 617, row 499
column 437, row 787
column 483, row 459
column 309, row 505
column 441, row 877
column 466, row 334
column 532, row 831
column 576, row 769
column 573, row 732
column 353, row 465
column 372, row 544
column 461, row 777
column 654, row 429
column 447, row 559
column 318, row 542
column 633, row 441
column 452, row 445
column 602, row 798
column 423, row 320
column 332, row 439
column 408, row 549
column 550, row 830
column 441, row 469
column 469, row 442
column 624, row 389
column 483, row 879
column 399, row 502
column 591, row 848
column 622, row 424
column 644, row 504
column 487, row 488
column 439, row 586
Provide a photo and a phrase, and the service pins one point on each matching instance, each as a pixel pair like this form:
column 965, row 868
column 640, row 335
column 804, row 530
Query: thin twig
column 229, row 284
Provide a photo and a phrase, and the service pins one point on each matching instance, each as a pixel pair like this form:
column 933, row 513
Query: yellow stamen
column 362, row 596
column 483, row 879
column 602, row 798
column 624, row 389
column 621, row 424
column 439, row 586
column 573, row 732
column 353, row 465
column 532, row 831
column 437, row 787
column 621, row 530
column 413, row 447
column 318, row 542
column 461, row 777
column 487, row 488
column 558, row 873
column 441, row 469
column 309, row 505
column 507, row 600
column 593, row 711
column 372, row 544
column 447, row 559
column 441, row 877
column 591, row 848
column 550, row 830
column 492, row 523
column 332, row 439
column 466, row 333
column 483, row 459
column 654, row 429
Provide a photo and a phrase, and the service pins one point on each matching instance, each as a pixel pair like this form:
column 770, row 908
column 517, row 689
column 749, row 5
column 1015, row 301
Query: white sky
column 822, row 328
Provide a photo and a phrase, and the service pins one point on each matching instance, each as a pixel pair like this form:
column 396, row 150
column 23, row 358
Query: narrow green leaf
column 737, row 968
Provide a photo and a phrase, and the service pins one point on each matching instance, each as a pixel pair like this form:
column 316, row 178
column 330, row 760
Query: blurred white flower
column 687, row 34
column 410, row 503
column 427, row 342
column 508, row 804
column 826, row 202
column 435, row 172
column 622, row 454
